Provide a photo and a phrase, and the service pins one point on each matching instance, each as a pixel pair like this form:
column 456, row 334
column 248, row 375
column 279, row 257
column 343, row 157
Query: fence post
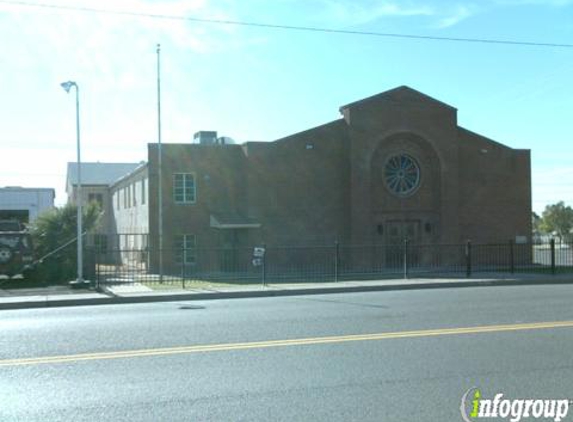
column 96, row 268
column 89, row 265
column 405, row 257
column 264, row 266
column 183, row 273
column 336, row 259
column 468, row 258
column 511, row 257
column 552, row 246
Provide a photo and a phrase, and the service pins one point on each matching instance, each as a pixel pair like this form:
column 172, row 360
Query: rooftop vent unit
column 205, row 137
column 225, row 140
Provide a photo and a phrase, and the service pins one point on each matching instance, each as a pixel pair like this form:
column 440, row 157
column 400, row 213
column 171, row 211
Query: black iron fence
column 335, row 262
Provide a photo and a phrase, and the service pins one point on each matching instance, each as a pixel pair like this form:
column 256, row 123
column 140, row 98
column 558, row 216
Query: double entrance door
column 397, row 232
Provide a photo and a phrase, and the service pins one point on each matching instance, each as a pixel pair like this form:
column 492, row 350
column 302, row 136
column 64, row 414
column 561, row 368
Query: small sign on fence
column 520, row 240
column 258, row 255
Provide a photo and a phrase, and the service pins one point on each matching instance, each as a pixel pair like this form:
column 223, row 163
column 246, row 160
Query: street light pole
column 67, row 86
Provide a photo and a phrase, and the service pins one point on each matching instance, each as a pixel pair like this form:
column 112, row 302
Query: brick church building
column 395, row 165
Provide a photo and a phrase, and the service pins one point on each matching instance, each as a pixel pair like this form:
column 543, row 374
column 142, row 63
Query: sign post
column 259, row 253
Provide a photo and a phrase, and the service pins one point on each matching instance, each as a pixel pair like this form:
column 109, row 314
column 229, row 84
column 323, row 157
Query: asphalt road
column 387, row 356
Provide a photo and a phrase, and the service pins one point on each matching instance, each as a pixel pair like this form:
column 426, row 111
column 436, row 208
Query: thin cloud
column 460, row 13
column 61, row 23
column 552, row 3
column 354, row 13
column 351, row 13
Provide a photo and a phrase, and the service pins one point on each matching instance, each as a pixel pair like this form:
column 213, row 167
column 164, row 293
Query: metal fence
column 327, row 263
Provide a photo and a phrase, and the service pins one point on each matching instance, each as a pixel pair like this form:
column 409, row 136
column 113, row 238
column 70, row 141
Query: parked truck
column 16, row 251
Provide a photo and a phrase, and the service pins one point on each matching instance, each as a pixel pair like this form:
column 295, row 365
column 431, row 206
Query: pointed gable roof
column 396, row 95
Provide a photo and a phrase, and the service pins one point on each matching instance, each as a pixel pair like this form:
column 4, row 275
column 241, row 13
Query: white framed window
column 185, row 246
column 184, row 191
column 134, row 194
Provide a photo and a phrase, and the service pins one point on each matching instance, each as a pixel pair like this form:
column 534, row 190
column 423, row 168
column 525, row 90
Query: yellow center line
column 283, row 343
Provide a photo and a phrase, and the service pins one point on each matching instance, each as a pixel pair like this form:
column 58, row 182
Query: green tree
column 558, row 219
column 51, row 231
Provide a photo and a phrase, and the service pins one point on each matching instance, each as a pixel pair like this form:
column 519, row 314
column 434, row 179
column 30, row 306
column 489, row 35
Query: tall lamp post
column 67, row 86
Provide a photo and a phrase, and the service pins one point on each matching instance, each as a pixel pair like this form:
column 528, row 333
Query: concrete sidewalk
column 62, row 296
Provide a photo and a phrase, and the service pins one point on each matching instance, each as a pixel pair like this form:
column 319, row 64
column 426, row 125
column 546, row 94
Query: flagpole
column 159, row 168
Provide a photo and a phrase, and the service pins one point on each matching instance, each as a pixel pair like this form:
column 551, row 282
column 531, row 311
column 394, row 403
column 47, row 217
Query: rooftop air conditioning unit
column 205, row 137
column 225, row 140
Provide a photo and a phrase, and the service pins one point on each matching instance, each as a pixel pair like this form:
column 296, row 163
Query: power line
column 285, row 27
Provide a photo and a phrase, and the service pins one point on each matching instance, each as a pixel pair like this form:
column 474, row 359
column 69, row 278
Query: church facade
column 395, row 166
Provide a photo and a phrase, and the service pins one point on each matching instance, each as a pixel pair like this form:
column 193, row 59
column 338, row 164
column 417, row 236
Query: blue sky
column 262, row 84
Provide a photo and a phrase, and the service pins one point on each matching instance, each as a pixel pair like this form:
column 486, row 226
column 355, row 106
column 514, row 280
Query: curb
column 117, row 300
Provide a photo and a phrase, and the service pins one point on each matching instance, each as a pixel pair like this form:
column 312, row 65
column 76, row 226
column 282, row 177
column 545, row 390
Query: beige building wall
column 129, row 199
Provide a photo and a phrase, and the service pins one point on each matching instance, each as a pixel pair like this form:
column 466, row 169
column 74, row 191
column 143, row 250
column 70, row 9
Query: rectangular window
column 97, row 198
column 124, row 198
column 184, row 188
column 134, row 194
column 185, row 249
column 143, row 191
